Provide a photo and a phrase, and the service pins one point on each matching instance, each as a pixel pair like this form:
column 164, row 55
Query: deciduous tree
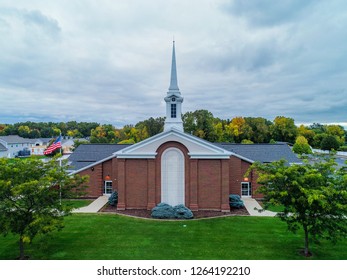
column 329, row 143
column 314, row 197
column 284, row 129
column 30, row 192
column 301, row 146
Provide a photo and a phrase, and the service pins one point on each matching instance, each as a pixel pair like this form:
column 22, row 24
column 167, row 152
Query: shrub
column 301, row 146
column 302, row 149
column 166, row 211
column 182, row 212
column 235, row 201
column 163, row 211
column 330, row 143
column 113, row 199
column 343, row 148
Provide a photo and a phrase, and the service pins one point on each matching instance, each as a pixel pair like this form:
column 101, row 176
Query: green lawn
column 77, row 203
column 276, row 208
column 109, row 236
column 273, row 208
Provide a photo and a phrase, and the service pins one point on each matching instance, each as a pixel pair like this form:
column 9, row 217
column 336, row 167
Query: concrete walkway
column 251, row 203
column 94, row 207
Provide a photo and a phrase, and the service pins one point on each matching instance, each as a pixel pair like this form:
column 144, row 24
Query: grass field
column 77, row 203
column 109, row 236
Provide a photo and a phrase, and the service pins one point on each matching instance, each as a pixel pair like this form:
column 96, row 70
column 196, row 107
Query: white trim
column 151, row 155
column 206, row 156
column 249, row 189
column 216, row 151
column 129, row 152
column 104, row 189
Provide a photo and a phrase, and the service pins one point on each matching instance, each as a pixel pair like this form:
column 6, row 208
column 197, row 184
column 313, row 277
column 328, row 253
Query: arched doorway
column 172, row 177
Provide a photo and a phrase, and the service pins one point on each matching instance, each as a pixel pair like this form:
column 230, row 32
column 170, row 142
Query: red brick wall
column 205, row 184
column 95, row 180
column 235, row 175
column 209, row 184
column 136, row 183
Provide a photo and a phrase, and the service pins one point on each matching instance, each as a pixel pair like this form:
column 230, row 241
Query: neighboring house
column 16, row 145
column 174, row 167
column 39, row 146
column 3, row 151
column 67, row 145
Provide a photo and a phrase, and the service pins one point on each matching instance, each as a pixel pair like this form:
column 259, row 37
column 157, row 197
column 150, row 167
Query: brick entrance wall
column 208, row 182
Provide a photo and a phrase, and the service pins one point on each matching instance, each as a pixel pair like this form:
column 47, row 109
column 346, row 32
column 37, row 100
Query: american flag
column 56, row 145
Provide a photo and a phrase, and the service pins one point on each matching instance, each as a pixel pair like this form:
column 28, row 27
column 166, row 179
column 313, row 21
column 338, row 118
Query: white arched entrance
column 172, row 177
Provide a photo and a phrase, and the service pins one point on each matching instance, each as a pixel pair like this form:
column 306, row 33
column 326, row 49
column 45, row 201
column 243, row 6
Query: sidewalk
column 251, row 203
column 94, row 207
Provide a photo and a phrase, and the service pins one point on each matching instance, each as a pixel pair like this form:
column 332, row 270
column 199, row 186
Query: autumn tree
column 337, row 131
column 103, row 134
column 309, row 134
column 23, row 131
column 240, row 129
column 313, row 196
column 30, row 192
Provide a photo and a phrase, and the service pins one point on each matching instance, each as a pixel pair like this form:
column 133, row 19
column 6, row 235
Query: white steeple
column 173, row 100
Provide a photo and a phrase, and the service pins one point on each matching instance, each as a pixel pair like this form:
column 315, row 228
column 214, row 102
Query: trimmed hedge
column 113, row 199
column 163, row 211
column 182, row 212
column 166, row 211
column 235, row 201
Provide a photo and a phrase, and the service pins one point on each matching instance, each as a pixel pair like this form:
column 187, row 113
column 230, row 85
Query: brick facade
column 208, row 182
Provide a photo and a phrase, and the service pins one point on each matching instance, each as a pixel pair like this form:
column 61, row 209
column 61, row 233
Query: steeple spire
column 173, row 100
column 173, row 80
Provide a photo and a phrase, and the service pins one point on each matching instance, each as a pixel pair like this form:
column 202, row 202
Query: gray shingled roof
column 87, row 154
column 262, row 152
column 2, row 148
column 15, row 139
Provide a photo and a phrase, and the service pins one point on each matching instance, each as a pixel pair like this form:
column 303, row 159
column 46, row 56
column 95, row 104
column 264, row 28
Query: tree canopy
column 314, row 197
column 30, row 197
column 200, row 123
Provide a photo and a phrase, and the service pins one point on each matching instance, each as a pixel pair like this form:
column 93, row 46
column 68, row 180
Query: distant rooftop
column 262, row 152
column 2, row 148
column 15, row 139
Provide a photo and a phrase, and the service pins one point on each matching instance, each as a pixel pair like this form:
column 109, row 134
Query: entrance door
column 172, row 177
column 108, row 188
column 246, row 189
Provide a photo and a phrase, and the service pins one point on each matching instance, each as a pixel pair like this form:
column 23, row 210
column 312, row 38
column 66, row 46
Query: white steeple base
column 173, row 125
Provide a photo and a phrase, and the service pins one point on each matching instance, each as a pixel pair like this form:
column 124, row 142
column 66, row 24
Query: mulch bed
column 197, row 215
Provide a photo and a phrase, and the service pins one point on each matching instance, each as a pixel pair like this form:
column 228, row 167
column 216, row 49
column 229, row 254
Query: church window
column 173, row 110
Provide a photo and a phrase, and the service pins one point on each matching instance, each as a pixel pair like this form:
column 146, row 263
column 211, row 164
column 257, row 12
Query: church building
column 173, row 166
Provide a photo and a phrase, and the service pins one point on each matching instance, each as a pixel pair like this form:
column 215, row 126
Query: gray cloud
column 269, row 12
column 78, row 60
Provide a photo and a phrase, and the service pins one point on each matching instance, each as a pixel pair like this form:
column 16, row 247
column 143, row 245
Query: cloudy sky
column 109, row 61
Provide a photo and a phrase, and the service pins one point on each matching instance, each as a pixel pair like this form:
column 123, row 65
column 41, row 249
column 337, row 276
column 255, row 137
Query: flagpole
column 61, row 154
